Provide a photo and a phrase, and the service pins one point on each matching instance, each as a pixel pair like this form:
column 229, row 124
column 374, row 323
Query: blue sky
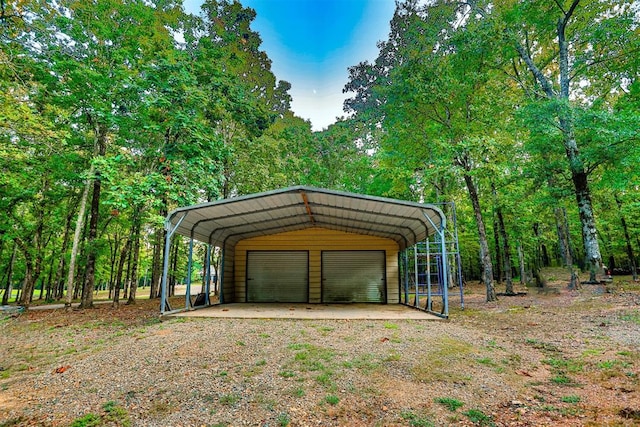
column 312, row 42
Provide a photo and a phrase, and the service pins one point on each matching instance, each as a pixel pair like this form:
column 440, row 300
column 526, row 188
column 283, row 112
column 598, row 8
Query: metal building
column 310, row 245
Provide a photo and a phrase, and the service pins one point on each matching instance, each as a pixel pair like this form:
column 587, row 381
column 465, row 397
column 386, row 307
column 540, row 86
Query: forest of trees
column 526, row 114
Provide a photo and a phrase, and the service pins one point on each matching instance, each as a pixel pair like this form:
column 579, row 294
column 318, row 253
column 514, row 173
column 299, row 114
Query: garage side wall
column 316, row 240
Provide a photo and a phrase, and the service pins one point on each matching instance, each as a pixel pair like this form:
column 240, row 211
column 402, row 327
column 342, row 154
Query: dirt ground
column 550, row 357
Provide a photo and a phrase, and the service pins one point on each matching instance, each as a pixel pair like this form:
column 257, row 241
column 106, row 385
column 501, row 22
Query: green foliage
column 416, row 420
column 450, row 105
column 332, row 399
column 229, row 399
column 107, row 85
column 571, row 399
column 113, row 415
column 478, row 417
column 449, row 403
column 89, row 420
column 283, row 419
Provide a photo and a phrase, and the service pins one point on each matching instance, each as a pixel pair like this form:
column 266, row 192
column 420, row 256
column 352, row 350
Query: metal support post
column 187, row 303
column 443, row 247
column 207, row 276
column 428, row 255
column 415, row 274
column 165, row 268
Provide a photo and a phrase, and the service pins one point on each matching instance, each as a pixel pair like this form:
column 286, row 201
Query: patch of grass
column 313, row 358
column 416, row 420
column 88, row 420
column 449, row 403
column 613, row 368
column 252, row 371
column 283, row 419
column 299, row 346
column 298, row 392
column 571, row 399
column 367, row 362
column 388, row 325
column 229, row 399
column 115, row 414
column 613, row 364
column 540, row 345
column 632, row 316
column 565, row 365
column 332, row 399
column 561, row 379
column 478, row 417
column 287, row 374
column 13, row 422
column 444, row 362
column 325, row 379
column 393, row 356
column 592, row 352
column 512, row 360
column 486, row 361
column 261, row 362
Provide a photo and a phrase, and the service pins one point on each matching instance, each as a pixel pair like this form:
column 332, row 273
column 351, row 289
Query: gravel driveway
column 541, row 359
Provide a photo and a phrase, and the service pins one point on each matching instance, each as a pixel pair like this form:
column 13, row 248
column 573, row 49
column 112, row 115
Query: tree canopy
column 113, row 112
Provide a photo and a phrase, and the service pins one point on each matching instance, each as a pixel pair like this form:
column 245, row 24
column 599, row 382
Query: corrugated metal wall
column 315, row 240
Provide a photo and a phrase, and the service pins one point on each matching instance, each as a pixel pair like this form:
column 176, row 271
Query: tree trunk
column 127, row 281
column 9, row 286
column 33, row 254
column 173, row 279
column 92, row 250
column 627, row 238
column 156, row 268
column 57, row 281
column 49, row 280
column 76, row 239
column 100, row 133
column 136, row 255
column 496, row 238
column 523, row 273
column 563, row 238
column 113, row 257
column 507, row 253
column 579, row 174
column 29, row 279
column 123, row 258
column 485, row 255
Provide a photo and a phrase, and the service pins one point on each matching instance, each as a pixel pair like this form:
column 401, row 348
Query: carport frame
column 348, row 212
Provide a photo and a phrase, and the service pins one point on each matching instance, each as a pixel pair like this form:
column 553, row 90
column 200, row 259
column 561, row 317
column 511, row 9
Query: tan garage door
column 353, row 276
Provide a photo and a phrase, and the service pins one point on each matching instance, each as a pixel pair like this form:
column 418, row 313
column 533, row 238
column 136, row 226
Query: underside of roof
column 228, row 221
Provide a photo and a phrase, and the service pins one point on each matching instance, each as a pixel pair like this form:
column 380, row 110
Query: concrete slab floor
column 309, row 311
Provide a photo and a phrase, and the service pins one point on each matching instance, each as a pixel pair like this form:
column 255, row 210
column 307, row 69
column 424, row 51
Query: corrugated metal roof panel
column 296, row 208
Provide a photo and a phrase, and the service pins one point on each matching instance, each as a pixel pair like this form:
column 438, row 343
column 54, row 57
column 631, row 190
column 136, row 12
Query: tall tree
column 575, row 52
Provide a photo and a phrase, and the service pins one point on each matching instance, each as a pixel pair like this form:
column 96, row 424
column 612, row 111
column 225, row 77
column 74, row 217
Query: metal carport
column 226, row 222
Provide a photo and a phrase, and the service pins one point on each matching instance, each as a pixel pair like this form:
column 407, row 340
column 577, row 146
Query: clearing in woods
column 550, row 357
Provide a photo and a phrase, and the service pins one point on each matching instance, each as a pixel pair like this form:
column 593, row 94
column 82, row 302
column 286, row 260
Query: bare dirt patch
column 553, row 357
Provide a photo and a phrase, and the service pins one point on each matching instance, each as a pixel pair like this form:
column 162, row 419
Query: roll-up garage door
column 353, row 276
column 277, row 276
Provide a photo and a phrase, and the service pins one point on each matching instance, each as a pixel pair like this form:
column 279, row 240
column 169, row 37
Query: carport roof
column 230, row 220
